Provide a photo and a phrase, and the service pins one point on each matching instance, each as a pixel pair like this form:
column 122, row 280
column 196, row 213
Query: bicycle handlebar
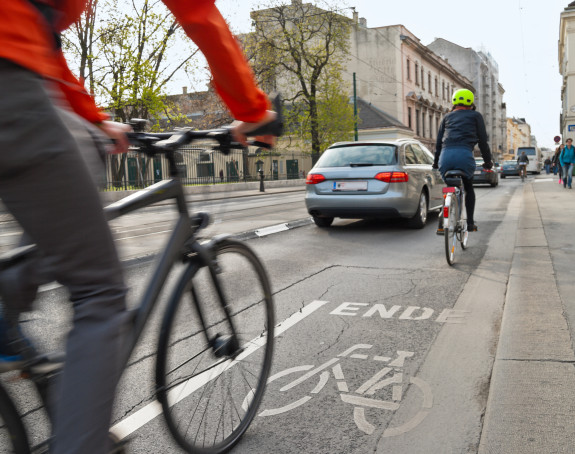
column 164, row 142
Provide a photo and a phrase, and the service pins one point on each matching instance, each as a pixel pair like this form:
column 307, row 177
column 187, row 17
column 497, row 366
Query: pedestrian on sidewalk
column 567, row 159
column 547, row 166
column 555, row 159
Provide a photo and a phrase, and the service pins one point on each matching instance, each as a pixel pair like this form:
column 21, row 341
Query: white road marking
column 272, row 229
column 542, row 179
column 152, row 410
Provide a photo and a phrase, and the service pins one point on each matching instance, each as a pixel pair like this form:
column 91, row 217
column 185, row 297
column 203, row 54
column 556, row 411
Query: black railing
column 204, row 166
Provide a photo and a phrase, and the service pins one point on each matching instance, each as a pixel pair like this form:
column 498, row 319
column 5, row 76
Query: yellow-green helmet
column 463, row 97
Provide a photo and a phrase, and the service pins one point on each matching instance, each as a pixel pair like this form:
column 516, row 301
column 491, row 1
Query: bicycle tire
column 463, row 232
column 13, row 437
column 196, row 393
column 449, row 233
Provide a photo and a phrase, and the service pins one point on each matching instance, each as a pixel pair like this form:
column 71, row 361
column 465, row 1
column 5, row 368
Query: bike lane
column 398, row 359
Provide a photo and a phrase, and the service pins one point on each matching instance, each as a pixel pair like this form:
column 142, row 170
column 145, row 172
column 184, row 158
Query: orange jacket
column 25, row 39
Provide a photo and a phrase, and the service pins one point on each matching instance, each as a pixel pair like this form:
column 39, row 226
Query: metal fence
column 204, row 166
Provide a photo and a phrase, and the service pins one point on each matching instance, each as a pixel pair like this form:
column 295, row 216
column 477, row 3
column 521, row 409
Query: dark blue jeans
column 567, row 174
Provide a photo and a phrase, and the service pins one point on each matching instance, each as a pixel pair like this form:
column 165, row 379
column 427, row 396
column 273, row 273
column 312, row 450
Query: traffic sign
column 557, row 139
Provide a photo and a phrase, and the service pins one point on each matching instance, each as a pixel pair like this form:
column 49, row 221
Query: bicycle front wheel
column 13, row 438
column 215, row 349
column 450, row 232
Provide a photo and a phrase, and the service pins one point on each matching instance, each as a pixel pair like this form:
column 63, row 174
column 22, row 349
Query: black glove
column 435, row 166
column 488, row 165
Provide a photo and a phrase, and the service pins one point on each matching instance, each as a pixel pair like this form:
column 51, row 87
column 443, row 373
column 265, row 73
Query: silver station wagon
column 374, row 179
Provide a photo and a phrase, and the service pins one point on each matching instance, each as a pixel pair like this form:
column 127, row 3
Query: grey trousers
column 46, row 185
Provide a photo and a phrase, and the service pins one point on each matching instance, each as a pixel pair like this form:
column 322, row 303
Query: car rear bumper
column 377, row 206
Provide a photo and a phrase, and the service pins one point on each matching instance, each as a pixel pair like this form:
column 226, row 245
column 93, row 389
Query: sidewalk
column 531, row 404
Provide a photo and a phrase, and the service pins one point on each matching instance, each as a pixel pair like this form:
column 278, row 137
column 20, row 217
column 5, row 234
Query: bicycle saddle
column 455, row 173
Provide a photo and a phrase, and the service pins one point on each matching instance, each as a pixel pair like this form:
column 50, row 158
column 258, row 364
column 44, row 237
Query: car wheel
column 502, row 176
column 494, row 184
column 322, row 222
column 420, row 217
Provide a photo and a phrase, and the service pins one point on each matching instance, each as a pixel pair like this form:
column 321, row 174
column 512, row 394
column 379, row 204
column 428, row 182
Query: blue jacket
column 462, row 128
column 567, row 156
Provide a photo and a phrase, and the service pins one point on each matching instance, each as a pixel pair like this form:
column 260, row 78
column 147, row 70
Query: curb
column 242, row 236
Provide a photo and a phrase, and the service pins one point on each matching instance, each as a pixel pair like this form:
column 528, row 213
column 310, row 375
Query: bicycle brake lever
column 257, row 143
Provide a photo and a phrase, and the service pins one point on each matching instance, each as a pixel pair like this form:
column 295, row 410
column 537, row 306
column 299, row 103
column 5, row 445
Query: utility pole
column 355, row 109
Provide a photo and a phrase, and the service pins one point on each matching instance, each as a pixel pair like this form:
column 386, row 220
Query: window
column 436, row 88
column 380, row 155
column 409, row 125
column 422, row 79
column 429, row 82
column 409, row 155
column 430, row 126
column 422, row 155
column 422, row 124
column 416, row 74
column 417, row 125
column 408, row 69
column 443, row 90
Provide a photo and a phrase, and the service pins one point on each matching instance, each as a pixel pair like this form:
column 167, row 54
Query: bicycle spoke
column 205, row 393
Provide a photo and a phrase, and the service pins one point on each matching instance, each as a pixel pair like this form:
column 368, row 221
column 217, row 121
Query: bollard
column 261, row 172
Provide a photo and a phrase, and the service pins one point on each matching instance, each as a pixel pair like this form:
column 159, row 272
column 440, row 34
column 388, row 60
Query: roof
column 372, row 117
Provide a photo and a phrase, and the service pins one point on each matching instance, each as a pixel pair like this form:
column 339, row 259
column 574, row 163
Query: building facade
column 518, row 135
column 567, row 70
column 483, row 71
column 399, row 75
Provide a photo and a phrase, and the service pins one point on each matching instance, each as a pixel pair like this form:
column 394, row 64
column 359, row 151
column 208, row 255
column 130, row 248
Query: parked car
column 484, row 176
column 374, row 179
column 509, row 169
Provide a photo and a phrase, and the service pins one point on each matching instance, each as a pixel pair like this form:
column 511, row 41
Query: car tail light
column 392, row 177
column 314, row 178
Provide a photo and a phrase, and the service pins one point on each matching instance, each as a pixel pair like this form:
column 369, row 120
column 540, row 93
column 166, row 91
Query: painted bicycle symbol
column 363, row 397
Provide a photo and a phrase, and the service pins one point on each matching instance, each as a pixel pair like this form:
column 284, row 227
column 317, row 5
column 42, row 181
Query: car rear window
column 377, row 155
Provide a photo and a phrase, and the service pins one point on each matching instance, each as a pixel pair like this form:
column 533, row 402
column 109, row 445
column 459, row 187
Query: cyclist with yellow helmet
column 459, row 132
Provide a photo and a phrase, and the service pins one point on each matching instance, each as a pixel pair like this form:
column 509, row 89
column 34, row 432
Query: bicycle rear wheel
column 13, row 438
column 450, row 232
column 463, row 233
column 202, row 376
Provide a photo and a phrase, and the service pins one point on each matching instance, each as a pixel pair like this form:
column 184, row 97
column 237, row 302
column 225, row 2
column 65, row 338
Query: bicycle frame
column 181, row 233
column 450, row 192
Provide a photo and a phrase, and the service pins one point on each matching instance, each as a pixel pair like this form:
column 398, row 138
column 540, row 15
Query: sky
column 521, row 35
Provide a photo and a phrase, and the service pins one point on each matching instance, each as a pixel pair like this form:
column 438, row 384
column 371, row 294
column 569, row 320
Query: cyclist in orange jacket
column 46, row 185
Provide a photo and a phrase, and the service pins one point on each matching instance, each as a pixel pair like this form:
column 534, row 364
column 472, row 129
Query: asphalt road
column 381, row 311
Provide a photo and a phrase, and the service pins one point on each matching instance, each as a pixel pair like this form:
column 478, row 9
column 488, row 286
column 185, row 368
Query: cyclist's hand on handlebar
column 488, row 165
column 116, row 132
column 241, row 130
column 435, row 166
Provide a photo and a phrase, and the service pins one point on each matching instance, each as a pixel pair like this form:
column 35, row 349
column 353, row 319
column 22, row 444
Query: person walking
column 547, row 166
column 567, row 159
column 555, row 160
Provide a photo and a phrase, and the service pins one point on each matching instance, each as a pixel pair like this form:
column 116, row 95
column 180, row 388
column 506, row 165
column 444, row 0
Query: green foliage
column 300, row 50
column 128, row 56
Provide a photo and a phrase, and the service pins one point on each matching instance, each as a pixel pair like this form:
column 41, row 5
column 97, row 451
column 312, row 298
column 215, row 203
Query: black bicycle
column 454, row 214
column 216, row 338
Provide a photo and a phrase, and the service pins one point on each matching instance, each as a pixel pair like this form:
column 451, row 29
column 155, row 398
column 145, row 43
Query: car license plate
column 478, row 172
column 350, row 185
